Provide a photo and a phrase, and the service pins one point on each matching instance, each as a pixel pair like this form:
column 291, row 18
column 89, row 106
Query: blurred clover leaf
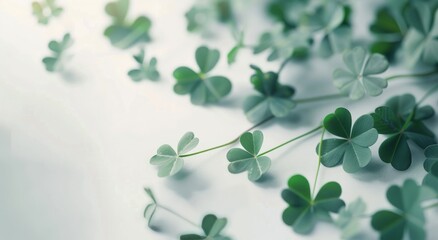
column 349, row 219
column 203, row 89
column 282, row 44
column 212, row 227
column 274, row 101
column 232, row 54
column 358, row 79
column 288, row 12
column 352, row 148
column 45, row 10
column 431, row 166
column 55, row 62
column 402, row 120
column 123, row 33
column 150, row 209
column 421, row 41
column 168, row 160
column 146, row 70
column 407, row 218
column 248, row 159
column 304, row 211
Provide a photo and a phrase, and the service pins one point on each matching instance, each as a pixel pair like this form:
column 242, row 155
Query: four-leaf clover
column 54, row 62
column 203, row 89
column 212, row 227
column 304, row 211
column 248, row 159
column 275, row 100
column 170, row 162
column 146, row 70
column 352, row 150
column 359, row 79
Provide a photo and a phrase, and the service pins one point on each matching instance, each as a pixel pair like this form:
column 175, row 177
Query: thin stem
column 315, row 99
column 283, row 64
column 431, row 206
column 412, row 75
column 291, row 140
column 319, row 162
column 178, row 215
column 230, row 142
column 428, row 93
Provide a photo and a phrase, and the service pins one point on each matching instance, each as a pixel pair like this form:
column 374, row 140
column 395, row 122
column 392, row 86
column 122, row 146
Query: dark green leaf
column 212, row 227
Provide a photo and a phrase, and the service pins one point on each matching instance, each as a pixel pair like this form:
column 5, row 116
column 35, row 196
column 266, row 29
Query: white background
column 75, row 147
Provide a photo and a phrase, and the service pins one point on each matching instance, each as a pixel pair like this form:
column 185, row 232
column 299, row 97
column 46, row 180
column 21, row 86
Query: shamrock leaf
column 408, row 218
column 431, row 166
column 349, row 219
column 45, row 10
column 359, row 79
column 352, row 149
column 145, row 70
column 170, row 162
column 232, row 54
column 304, row 211
column 212, row 227
column 122, row 33
column 282, row 44
column 203, row 89
column 249, row 159
column 55, row 62
column 421, row 41
column 150, row 209
column 274, row 101
column 401, row 119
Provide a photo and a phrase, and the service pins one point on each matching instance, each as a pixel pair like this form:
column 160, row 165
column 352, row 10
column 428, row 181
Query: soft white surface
column 74, row 149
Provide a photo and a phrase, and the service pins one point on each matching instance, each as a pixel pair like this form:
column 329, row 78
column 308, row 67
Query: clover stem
column 431, row 206
column 177, row 215
column 291, row 140
column 319, row 98
column 319, row 162
column 425, row 74
column 283, row 64
column 428, row 93
column 230, row 142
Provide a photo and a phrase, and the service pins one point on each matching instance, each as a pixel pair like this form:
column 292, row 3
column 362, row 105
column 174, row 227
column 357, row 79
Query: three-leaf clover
column 408, row 218
column 203, row 89
column 401, row 119
column 122, row 33
column 352, row 148
column 304, row 211
column 170, row 162
column 45, row 10
column 212, row 227
column 431, row 166
column 274, row 101
column 150, row 209
column 146, row 70
column 54, row 62
column 358, row 79
column 248, row 159
column 349, row 219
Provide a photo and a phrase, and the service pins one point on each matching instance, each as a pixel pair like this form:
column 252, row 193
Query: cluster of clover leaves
column 404, row 31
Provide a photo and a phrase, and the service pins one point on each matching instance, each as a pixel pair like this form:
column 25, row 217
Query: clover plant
column 59, row 56
column 146, row 69
column 45, row 10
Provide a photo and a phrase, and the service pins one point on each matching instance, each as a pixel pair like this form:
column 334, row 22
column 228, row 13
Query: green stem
column 412, row 75
column 319, row 162
column 315, row 99
column 428, row 93
column 291, row 140
column 230, row 142
column 431, row 206
column 283, row 64
column 178, row 215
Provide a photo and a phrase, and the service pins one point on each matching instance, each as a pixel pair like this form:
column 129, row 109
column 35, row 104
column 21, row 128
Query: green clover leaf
column 304, row 212
column 146, row 70
column 203, row 89
column 401, row 119
column 55, row 62
column 349, row 219
column 288, row 12
column 431, row 166
column 248, row 159
column 212, row 227
column 168, row 160
column 150, row 209
column 45, row 10
column 359, row 79
column 232, row 54
column 421, row 41
column 274, row 101
column 352, row 149
column 407, row 218
column 122, row 33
